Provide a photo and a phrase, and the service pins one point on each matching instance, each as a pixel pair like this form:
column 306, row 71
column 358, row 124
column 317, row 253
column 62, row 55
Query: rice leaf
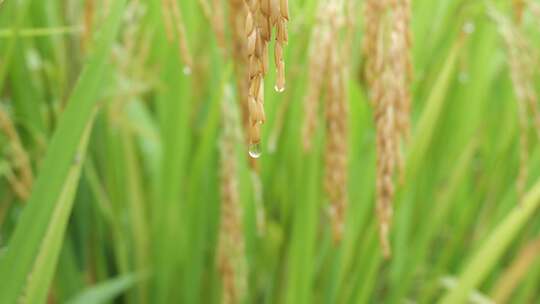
column 29, row 238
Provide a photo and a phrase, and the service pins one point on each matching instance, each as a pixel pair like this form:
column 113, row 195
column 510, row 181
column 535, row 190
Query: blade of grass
column 137, row 212
column 496, row 244
column 304, row 230
column 434, row 105
column 16, row 13
column 169, row 237
column 45, row 266
column 17, row 264
column 106, row 291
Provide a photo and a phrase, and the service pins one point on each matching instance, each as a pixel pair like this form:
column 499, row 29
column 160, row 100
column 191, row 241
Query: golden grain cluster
column 521, row 60
column 20, row 178
column 175, row 27
column 387, row 44
column 388, row 71
column 244, row 30
column 327, row 80
column 231, row 256
column 262, row 17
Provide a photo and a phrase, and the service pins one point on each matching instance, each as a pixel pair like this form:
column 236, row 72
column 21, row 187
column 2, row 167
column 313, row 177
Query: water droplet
column 33, row 59
column 468, row 27
column 187, row 70
column 279, row 89
column 463, row 77
column 255, row 150
column 77, row 159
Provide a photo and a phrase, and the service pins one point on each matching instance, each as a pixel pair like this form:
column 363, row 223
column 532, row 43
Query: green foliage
column 124, row 145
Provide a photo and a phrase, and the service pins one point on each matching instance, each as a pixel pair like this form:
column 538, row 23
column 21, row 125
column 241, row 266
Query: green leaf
column 105, row 291
column 30, row 236
column 493, row 248
column 45, row 264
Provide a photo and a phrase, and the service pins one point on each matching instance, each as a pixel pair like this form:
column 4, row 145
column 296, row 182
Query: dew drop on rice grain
column 255, row 150
column 279, row 89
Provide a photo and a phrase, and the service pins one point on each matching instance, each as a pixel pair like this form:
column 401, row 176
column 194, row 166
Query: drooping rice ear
column 21, row 177
column 280, row 67
column 518, row 8
column 264, row 63
column 231, row 259
column 275, row 11
column 327, row 71
column 320, row 45
column 265, row 7
column 521, row 64
column 336, row 158
column 89, row 16
column 388, row 74
column 284, row 9
column 262, row 17
column 178, row 20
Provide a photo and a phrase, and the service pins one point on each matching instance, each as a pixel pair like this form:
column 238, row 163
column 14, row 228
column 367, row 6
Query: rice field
column 269, row 151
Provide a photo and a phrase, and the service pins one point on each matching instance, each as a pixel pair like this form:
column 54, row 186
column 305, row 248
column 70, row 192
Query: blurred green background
column 110, row 163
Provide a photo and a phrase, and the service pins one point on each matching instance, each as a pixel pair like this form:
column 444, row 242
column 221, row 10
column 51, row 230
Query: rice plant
column 269, row 151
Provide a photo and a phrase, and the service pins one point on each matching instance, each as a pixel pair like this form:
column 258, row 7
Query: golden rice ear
column 89, row 16
column 280, row 80
column 265, row 7
column 326, row 75
column 265, row 30
column 253, row 70
column 281, row 32
column 21, row 183
column 337, row 114
column 260, row 97
column 259, row 45
column 518, row 7
column 388, row 74
column 254, row 133
column 278, row 53
column 258, row 112
column 250, row 25
column 318, row 59
column 264, row 63
column 252, row 106
column 275, row 13
column 251, row 42
column 521, row 63
column 284, row 9
column 262, row 16
column 230, row 258
column 280, row 67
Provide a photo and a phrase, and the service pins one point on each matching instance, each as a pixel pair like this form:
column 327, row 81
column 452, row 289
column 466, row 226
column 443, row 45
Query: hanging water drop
column 469, row 27
column 279, row 89
column 463, row 77
column 255, row 150
column 187, row 70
